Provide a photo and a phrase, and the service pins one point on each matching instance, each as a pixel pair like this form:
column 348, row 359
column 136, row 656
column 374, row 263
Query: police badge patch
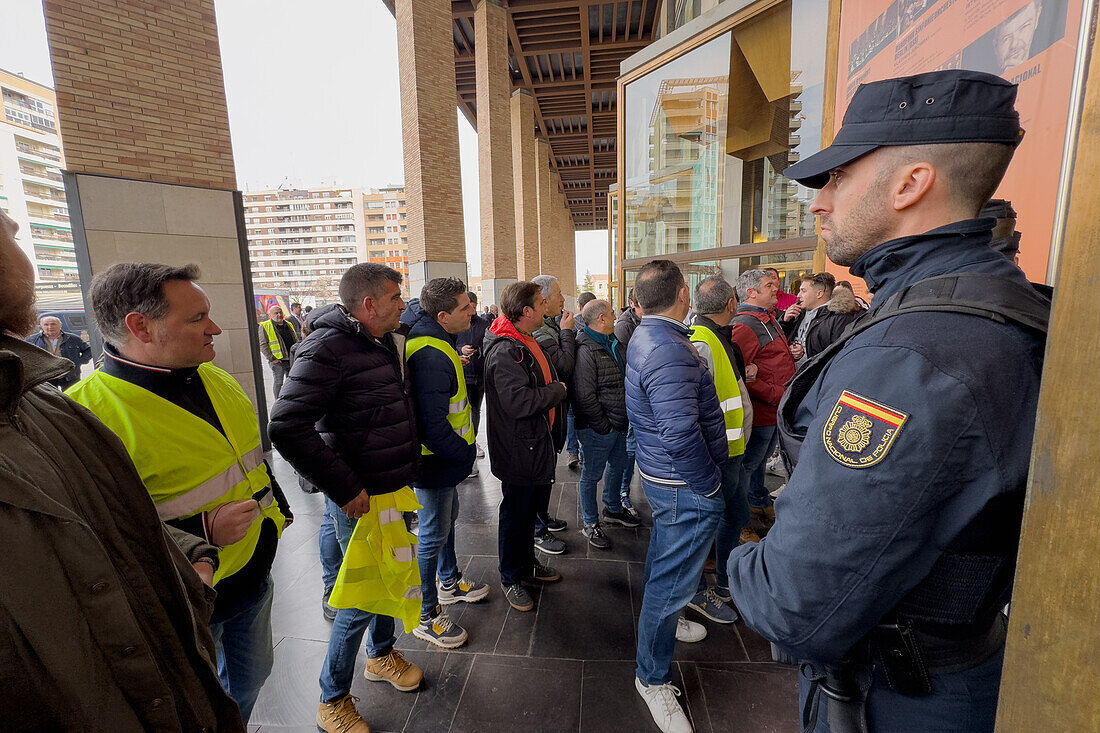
column 860, row 431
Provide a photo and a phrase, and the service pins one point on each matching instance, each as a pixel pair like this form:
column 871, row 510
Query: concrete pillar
column 150, row 174
column 568, row 256
column 526, row 185
column 494, row 149
column 543, row 188
column 429, row 132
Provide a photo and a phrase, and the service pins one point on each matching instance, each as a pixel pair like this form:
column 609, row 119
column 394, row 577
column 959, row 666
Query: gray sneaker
column 441, row 631
column 543, row 574
column 549, row 544
column 710, row 605
column 518, row 597
column 596, row 537
column 462, row 590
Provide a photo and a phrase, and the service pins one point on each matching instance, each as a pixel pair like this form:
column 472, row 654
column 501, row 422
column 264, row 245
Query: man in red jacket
column 762, row 343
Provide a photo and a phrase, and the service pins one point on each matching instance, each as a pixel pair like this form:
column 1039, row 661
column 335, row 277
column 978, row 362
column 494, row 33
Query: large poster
column 1029, row 42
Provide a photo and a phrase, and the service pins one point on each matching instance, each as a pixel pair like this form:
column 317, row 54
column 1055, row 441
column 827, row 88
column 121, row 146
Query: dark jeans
column 542, row 508
column 760, row 446
column 600, row 452
column 515, row 528
column 734, row 518
column 435, row 543
column 572, row 440
column 280, row 369
column 243, row 643
column 475, row 393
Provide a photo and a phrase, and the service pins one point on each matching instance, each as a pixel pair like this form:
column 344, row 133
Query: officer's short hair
column 971, row 171
column 545, row 283
column 712, row 294
column 133, row 287
column 441, row 294
column 658, row 285
column 516, row 297
column 363, row 280
column 751, row 279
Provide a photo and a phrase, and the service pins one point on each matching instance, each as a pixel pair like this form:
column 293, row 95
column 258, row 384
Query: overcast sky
column 313, row 98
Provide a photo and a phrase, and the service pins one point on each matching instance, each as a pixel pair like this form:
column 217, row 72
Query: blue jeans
column 735, row 516
column 329, row 546
column 631, row 449
column 572, row 444
column 435, row 543
column 760, row 446
column 684, row 525
column 349, row 627
column 243, row 644
column 601, row 451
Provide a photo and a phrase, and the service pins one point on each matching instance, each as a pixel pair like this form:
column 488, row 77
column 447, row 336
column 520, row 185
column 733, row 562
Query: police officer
column 895, row 540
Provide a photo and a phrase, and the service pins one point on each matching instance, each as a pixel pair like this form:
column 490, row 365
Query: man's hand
column 358, row 506
column 567, row 319
column 792, row 312
column 205, row 571
column 467, row 350
column 797, row 351
column 750, row 373
column 230, row 522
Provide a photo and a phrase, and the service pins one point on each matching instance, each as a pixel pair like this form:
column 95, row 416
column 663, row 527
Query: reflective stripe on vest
column 273, row 339
column 188, row 466
column 458, row 407
column 725, row 384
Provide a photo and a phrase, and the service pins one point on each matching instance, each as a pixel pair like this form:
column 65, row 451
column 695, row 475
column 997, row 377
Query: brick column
column 567, row 257
column 524, row 180
column 494, row 149
column 543, row 188
column 150, row 178
column 429, row 132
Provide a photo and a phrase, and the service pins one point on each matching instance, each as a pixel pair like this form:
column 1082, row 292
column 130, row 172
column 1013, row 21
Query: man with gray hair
column 66, row 345
column 192, row 433
column 557, row 340
column 715, row 307
column 763, row 344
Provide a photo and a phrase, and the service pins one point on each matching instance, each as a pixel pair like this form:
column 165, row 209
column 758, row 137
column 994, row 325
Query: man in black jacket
column 66, row 345
column 557, row 339
column 599, row 408
column 815, row 321
column 526, row 432
column 345, row 422
column 469, row 344
column 443, row 416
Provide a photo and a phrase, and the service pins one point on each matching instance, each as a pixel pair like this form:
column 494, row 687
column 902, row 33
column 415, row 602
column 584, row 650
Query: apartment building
column 302, row 240
column 31, row 189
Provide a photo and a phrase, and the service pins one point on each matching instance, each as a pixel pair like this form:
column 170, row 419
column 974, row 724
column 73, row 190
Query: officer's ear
column 911, row 184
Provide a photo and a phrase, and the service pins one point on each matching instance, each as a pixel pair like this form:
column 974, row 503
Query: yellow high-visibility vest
column 379, row 573
column 273, row 338
column 725, row 383
column 458, row 407
column 187, row 465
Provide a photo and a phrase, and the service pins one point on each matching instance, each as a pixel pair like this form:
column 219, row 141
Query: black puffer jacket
column 559, row 346
column 523, row 444
column 826, row 328
column 344, row 418
column 599, row 388
column 434, row 382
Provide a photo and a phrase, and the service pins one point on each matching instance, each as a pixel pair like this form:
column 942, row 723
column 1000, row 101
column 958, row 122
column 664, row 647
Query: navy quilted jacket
column 672, row 404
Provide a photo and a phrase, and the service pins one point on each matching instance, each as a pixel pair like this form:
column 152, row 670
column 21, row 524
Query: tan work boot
column 395, row 669
column 748, row 534
column 341, row 716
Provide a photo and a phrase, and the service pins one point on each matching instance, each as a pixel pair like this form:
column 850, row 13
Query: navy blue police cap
column 952, row 106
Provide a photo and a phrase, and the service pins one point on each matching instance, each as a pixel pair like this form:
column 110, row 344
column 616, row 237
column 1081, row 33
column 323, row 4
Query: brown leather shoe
column 767, row 513
column 710, row 566
column 749, row 535
column 341, row 716
column 395, row 669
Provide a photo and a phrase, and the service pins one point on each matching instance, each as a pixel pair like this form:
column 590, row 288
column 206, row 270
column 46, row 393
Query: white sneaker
column 480, row 452
column 664, row 707
column 775, row 466
column 689, row 632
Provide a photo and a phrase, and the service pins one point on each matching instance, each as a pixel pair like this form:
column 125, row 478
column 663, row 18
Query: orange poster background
column 880, row 39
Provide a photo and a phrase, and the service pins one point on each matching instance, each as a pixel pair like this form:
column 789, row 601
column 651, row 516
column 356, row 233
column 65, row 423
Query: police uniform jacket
column 911, row 430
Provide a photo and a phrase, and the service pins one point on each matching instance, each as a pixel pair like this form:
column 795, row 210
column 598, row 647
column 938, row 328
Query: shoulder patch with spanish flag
column 860, row 431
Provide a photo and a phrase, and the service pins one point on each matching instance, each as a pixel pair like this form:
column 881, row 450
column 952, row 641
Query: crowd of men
column 150, row 534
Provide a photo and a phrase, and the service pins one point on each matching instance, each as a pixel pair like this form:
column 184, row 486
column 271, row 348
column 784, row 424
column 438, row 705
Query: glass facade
column 706, row 135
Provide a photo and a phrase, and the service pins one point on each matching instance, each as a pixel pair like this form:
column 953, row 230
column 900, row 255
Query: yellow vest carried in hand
column 725, row 383
column 273, row 338
column 379, row 573
column 458, row 407
column 187, row 465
